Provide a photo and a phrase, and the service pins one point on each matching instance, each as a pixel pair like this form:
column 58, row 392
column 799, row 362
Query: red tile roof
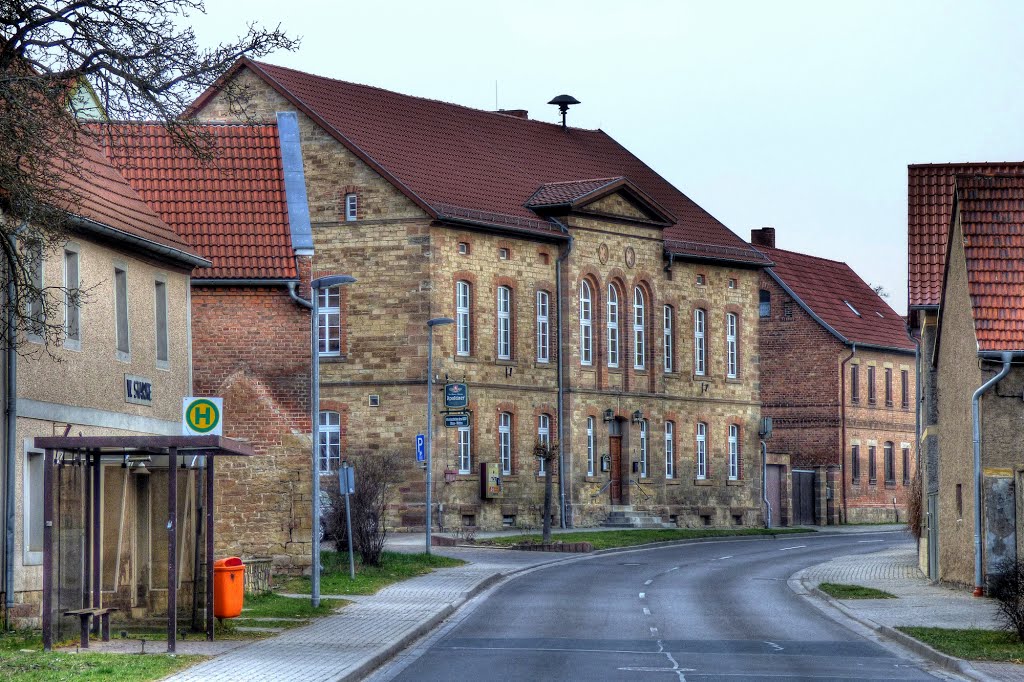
column 929, row 210
column 232, row 210
column 841, row 299
column 991, row 212
column 442, row 154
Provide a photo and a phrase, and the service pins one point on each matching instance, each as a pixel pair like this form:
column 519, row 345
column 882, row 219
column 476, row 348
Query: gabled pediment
column 605, row 197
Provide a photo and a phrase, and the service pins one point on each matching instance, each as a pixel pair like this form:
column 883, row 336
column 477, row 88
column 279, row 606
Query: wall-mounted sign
column 138, row 390
column 456, row 395
column 490, row 480
column 202, row 416
column 420, row 451
column 454, row 421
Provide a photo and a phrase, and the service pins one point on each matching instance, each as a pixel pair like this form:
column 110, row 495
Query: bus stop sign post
column 347, row 483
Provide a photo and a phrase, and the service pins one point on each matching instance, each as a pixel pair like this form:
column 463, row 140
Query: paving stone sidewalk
column 919, row 602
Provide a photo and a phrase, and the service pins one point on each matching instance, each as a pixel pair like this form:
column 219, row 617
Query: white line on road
column 643, row 594
column 648, row 582
column 775, row 646
column 870, row 540
column 674, row 568
column 647, row 611
column 723, row 557
column 783, row 549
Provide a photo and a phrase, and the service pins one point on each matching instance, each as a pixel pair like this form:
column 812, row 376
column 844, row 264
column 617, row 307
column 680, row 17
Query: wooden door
column 615, row 455
column 803, row 498
column 773, row 484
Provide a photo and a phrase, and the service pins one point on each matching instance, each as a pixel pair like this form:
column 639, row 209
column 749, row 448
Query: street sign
column 456, row 395
column 454, row 421
column 347, row 480
column 202, row 416
column 420, row 441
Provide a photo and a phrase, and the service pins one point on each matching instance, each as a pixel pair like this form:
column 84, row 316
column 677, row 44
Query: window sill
column 672, row 481
column 735, row 481
column 73, row 346
column 465, row 358
column 594, row 479
column 890, row 485
column 124, row 357
column 703, row 481
column 507, row 362
column 733, row 380
column 163, row 365
column 703, row 378
column 328, row 359
column 872, row 482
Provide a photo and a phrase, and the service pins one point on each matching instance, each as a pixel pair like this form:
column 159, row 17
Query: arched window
column 543, row 438
column 732, row 346
column 462, row 321
column 700, row 356
column 504, row 323
column 644, row 468
column 586, row 325
column 590, row 446
column 734, row 452
column 613, row 326
column 543, row 327
column 505, row 442
column 639, row 320
column 702, row 450
column 329, row 320
column 330, row 441
column 670, row 450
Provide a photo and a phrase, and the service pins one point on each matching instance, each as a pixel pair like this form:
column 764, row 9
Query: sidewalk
column 919, row 603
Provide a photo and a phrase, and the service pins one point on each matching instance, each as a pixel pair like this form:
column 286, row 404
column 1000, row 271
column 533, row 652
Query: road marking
column 648, row 582
column 654, row 632
column 870, row 540
column 775, row 646
column 723, row 557
column 674, row 568
column 793, row 547
column 643, row 594
column 647, row 611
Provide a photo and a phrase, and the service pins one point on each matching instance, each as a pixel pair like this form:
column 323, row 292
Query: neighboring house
column 979, row 342
column 595, row 306
column 122, row 368
column 929, row 210
column 837, row 379
column 251, row 329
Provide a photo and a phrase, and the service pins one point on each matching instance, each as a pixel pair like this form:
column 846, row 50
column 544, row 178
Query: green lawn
column 277, row 606
column 394, row 567
column 607, row 539
column 19, row 664
column 975, row 645
column 853, row 592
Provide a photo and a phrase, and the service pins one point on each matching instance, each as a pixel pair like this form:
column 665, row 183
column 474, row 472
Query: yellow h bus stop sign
column 202, row 416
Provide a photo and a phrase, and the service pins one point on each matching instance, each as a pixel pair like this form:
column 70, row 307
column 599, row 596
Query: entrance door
column 615, row 455
column 933, row 535
column 803, row 498
column 773, row 482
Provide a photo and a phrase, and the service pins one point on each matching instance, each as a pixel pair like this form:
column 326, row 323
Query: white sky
column 799, row 115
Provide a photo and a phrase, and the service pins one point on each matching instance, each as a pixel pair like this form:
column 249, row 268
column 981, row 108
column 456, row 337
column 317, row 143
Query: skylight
column 850, row 306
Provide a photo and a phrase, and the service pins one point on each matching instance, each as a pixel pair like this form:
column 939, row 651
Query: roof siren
column 564, row 102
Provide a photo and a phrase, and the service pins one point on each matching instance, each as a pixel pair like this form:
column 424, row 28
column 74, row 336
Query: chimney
column 518, row 113
column 763, row 237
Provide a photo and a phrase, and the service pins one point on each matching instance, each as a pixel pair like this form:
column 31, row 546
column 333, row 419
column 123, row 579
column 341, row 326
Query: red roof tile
column 845, row 302
column 469, row 160
column 991, row 212
column 929, row 210
column 232, row 210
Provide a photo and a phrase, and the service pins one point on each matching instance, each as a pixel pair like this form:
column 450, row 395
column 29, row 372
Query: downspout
column 764, row 485
column 917, row 425
column 561, row 375
column 11, row 425
column 842, row 426
column 979, row 589
column 293, row 291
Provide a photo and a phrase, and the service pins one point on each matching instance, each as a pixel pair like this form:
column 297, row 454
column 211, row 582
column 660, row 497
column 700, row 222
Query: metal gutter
column 148, row 245
column 842, row 428
column 293, row 291
column 559, row 295
column 253, row 282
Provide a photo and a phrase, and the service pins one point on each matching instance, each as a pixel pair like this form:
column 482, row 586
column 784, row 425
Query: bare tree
column 377, row 475
column 63, row 62
column 547, row 452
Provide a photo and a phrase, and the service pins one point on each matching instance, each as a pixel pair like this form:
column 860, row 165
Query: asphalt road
column 717, row 610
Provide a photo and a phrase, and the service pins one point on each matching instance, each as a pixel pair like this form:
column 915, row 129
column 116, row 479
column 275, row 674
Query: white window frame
column 504, row 323
column 29, row 557
column 586, row 324
column 329, row 437
column 590, row 446
column 160, row 287
column 328, row 322
column 613, row 326
column 35, row 308
column 643, row 449
column 544, row 438
column 702, row 451
column 670, row 449
column 639, row 338
column 734, row 452
column 351, row 207
column 463, row 300
column 465, row 450
column 731, row 345
column 122, row 313
column 543, row 327
column 71, row 290
column 505, row 442
column 669, row 325
column 700, row 353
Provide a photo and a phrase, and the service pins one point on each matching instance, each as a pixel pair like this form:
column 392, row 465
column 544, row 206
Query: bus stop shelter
column 90, row 453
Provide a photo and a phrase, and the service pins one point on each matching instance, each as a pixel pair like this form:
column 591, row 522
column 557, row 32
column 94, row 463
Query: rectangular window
column 732, row 355
column 504, row 323
column 351, row 207
column 543, row 327
column 855, row 464
column 544, row 439
column 670, row 450
column 702, row 450
column 505, row 442
column 906, row 466
column 613, row 326
column 890, row 464
column 854, row 383
column 121, row 313
column 904, row 389
column 462, row 321
column 643, row 449
column 734, row 452
column 669, row 332
column 72, row 302
column 699, row 354
column 162, row 352
column 590, row 446
column 330, row 442
column 871, row 385
column 35, row 311
column 586, row 325
column 872, row 470
column 465, row 451
column 888, row 386
column 639, row 325
column 33, row 511
column 329, row 320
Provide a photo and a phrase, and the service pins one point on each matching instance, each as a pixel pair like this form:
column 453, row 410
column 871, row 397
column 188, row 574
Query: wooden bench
column 84, row 615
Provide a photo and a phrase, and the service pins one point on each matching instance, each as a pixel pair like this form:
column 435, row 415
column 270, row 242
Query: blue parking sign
column 420, row 440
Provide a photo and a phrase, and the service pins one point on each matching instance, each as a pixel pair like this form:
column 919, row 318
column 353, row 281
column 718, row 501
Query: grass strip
column 840, row 591
column 607, row 539
column 973, row 645
column 278, row 606
column 395, row 567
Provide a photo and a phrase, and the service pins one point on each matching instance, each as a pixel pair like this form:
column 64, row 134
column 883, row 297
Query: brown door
column 774, row 487
column 615, row 454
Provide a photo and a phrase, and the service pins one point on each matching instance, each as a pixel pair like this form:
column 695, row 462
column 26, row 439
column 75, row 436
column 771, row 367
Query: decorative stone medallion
column 630, row 257
column 602, row 253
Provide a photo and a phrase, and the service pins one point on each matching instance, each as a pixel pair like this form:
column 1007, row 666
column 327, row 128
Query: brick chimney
column 763, row 237
column 518, row 113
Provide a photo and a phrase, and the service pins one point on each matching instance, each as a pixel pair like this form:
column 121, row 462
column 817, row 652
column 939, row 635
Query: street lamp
column 316, row 285
column 431, row 323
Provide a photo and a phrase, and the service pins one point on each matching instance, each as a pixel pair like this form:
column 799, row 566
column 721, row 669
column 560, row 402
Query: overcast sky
column 799, row 115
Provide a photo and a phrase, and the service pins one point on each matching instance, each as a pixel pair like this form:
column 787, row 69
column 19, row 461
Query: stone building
column 838, row 381
column 251, row 327
column 929, row 209
column 122, row 367
column 596, row 307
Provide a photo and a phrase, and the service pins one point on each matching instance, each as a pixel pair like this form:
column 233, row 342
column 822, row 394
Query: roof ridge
column 950, row 164
column 580, row 182
column 809, row 255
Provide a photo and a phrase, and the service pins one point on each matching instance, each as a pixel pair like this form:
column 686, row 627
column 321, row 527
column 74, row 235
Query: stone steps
column 622, row 516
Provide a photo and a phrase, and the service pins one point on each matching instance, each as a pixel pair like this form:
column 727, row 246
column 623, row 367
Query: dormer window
column 351, row 206
column 850, row 306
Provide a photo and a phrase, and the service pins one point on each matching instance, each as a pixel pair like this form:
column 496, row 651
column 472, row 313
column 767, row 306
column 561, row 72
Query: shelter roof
column 209, row 445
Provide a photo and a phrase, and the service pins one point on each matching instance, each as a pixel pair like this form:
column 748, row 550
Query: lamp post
column 316, row 285
column 428, row 444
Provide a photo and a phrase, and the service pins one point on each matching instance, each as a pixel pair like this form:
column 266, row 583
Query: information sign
column 420, row 441
column 456, row 395
column 454, row 421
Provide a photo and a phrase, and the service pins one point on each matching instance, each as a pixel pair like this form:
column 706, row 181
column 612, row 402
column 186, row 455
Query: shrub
column 376, row 476
column 915, row 513
column 1006, row 586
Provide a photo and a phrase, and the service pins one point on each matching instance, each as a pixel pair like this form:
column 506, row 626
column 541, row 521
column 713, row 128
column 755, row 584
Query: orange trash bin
column 228, row 587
